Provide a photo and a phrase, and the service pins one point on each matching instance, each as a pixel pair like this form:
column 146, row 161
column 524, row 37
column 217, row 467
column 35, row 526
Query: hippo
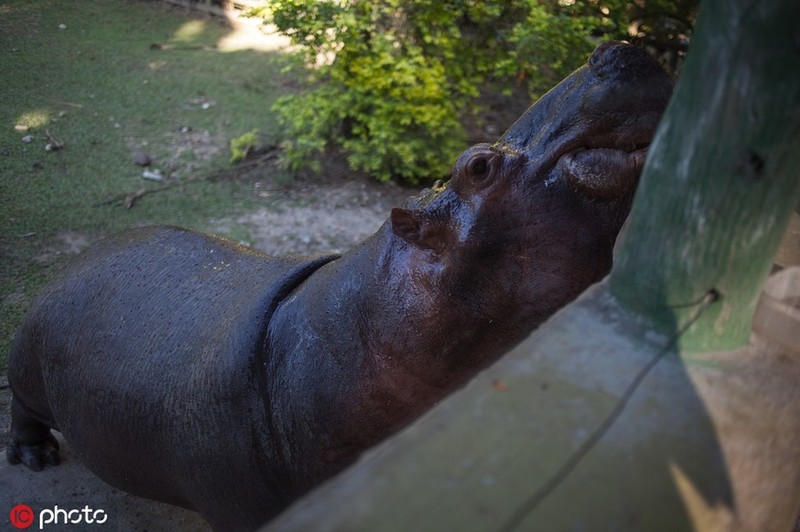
column 188, row 369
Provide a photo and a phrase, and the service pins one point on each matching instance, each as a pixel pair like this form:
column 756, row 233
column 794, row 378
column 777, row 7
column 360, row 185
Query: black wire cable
column 530, row 504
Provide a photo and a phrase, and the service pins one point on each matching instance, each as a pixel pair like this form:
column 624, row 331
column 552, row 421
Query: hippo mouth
column 595, row 127
column 598, row 171
column 601, row 174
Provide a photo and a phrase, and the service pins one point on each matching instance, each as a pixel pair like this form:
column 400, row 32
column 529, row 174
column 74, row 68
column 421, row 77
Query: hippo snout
column 592, row 129
column 615, row 58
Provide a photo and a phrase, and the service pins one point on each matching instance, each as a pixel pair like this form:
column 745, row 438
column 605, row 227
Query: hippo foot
column 30, row 442
column 34, row 456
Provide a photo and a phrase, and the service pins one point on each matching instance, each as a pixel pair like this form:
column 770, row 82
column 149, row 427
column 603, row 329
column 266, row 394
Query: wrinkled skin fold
column 187, row 369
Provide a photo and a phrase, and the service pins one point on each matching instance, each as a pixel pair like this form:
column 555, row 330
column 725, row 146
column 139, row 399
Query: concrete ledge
column 706, row 442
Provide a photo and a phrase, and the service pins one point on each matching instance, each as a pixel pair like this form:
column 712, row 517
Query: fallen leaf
column 499, row 385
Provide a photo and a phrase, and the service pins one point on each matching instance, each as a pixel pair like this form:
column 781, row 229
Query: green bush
column 385, row 88
column 242, row 145
column 390, row 79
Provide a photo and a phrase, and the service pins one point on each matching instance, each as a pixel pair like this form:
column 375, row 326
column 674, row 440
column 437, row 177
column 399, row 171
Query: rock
column 141, row 158
column 153, row 175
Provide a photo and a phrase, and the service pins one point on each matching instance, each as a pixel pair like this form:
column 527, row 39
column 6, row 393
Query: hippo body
column 190, row 370
column 202, row 349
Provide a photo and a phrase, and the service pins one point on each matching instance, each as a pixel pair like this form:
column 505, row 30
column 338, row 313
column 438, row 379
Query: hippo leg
column 30, row 441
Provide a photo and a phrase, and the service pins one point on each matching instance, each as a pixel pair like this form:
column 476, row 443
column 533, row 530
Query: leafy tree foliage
column 390, row 78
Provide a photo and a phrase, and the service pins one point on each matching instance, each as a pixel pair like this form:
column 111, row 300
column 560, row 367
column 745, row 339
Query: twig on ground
column 128, row 199
column 159, row 46
column 53, row 143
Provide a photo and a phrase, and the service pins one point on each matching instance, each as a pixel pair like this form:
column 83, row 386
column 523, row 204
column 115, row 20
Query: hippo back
column 170, row 320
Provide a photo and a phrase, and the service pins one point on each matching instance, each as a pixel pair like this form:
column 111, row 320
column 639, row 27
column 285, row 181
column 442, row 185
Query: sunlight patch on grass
column 34, row 119
column 247, row 35
column 189, row 31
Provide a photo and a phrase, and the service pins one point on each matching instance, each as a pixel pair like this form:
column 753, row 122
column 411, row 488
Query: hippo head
column 527, row 223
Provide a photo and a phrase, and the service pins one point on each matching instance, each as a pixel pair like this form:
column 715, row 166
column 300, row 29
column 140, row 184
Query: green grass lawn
column 85, row 71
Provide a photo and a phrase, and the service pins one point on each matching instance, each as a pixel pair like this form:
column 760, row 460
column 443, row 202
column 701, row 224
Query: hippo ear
column 416, row 228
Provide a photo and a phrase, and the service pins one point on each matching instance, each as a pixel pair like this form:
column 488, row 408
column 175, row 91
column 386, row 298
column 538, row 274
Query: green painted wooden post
column 722, row 177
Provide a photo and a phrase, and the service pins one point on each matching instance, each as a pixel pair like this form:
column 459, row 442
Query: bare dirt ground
column 329, row 215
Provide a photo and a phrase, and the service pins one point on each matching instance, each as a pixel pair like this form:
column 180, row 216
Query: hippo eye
column 479, row 168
